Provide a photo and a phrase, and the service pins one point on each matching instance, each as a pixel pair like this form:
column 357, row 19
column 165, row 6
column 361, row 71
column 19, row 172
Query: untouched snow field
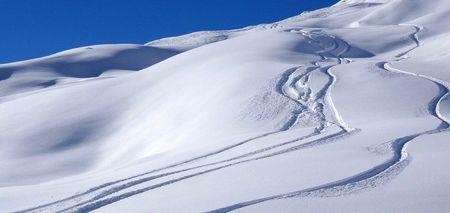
column 343, row 109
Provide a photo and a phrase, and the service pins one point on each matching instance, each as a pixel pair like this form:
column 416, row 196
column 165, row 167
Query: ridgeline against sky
column 33, row 29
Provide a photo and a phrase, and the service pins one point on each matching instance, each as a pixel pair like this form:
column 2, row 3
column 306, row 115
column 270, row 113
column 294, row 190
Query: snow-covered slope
column 76, row 64
column 343, row 109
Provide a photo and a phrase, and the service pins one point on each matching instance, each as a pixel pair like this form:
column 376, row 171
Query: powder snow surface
column 342, row 109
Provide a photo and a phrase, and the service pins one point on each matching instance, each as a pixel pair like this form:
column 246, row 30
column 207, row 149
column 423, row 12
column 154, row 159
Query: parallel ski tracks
column 108, row 193
column 297, row 84
column 383, row 172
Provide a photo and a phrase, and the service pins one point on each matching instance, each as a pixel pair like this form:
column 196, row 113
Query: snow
column 343, row 109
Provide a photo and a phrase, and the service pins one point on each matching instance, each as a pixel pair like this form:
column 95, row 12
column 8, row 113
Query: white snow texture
column 342, row 109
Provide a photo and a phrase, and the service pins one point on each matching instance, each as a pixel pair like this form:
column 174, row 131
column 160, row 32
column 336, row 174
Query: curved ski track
column 292, row 85
column 97, row 196
column 379, row 174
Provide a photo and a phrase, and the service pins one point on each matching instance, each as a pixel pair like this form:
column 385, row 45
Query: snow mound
column 197, row 39
column 83, row 62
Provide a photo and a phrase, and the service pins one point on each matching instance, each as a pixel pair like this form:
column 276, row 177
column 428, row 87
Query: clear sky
column 35, row 28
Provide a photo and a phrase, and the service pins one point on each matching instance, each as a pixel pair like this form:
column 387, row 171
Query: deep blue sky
column 34, row 28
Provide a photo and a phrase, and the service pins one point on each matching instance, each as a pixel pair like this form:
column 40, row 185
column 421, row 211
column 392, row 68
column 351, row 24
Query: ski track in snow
column 97, row 202
column 95, row 197
column 414, row 37
column 293, row 84
column 379, row 174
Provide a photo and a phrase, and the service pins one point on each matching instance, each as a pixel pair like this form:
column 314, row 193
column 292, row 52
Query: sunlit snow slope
column 343, row 109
